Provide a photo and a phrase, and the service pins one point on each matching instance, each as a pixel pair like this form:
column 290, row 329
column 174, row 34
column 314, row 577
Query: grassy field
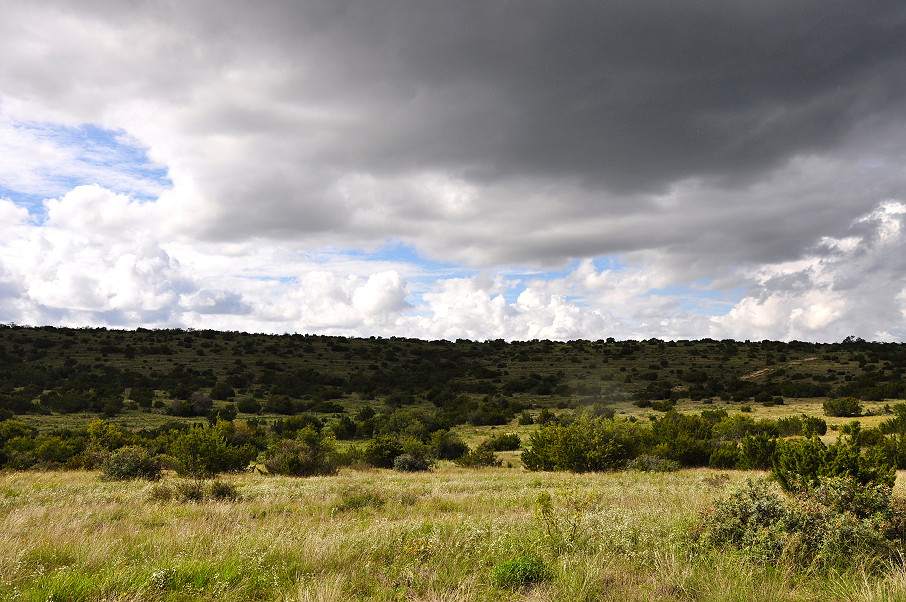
column 380, row 535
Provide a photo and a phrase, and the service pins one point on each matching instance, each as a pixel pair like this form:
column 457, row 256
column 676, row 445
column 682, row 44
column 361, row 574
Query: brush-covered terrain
column 55, row 376
column 195, row 465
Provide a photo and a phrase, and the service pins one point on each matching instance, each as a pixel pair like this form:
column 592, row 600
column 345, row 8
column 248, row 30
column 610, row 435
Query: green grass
column 436, row 536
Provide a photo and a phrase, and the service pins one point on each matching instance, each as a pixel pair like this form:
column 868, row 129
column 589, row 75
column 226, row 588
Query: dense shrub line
column 297, row 446
column 789, row 447
column 411, row 440
column 65, row 370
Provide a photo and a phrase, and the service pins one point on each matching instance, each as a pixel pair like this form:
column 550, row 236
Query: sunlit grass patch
column 437, row 536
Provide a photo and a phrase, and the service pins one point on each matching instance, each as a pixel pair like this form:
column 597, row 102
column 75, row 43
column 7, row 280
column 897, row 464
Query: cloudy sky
column 470, row 169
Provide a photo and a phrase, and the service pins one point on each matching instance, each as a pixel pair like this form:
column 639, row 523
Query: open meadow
column 451, row 534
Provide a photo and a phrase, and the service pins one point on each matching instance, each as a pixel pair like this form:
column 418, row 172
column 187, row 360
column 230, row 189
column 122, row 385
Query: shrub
column 381, row 451
column 724, row 456
column 221, row 391
column 833, row 523
column 651, row 463
column 203, row 452
column 131, row 462
column 800, row 463
column 227, row 413
column 247, row 405
column 756, row 452
column 545, row 416
column 480, row 456
column 503, row 442
column 588, row 444
column 519, row 571
column 446, row 446
column 344, row 427
column 161, row 492
column 190, row 491
column 801, row 425
column 749, row 519
column 411, row 463
column 844, row 407
column 309, row 454
column 221, row 490
column 143, row 396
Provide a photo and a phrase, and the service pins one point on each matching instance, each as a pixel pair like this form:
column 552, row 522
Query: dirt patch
column 764, row 371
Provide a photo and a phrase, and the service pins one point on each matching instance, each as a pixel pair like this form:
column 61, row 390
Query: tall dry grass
column 381, row 535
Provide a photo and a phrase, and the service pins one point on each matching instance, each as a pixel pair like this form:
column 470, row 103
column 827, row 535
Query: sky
column 471, row 169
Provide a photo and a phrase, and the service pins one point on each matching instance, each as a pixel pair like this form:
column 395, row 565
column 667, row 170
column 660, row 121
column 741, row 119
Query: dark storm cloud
column 702, row 135
column 622, row 95
column 625, row 96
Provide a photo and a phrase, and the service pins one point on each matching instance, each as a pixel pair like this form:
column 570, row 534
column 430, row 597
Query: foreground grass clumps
column 450, row 534
column 523, row 570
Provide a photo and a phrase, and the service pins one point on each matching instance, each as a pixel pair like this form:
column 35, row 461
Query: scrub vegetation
column 184, row 465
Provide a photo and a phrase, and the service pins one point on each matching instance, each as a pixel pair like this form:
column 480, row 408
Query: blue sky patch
column 83, row 155
column 699, row 299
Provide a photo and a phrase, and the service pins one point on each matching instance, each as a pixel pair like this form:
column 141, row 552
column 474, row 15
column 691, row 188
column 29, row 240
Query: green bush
column 131, row 462
column 801, row 463
column 757, row 452
column 588, row 444
column 309, row 454
column 801, row 425
column 750, row 519
column 204, row 452
column 247, row 405
column 724, row 457
column 503, row 442
column 651, row 463
column 143, row 396
column 685, row 438
column 381, row 451
column 221, row 391
column 411, row 463
column 519, row 571
column 478, row 457
column 845, row 407
column 446, row 446
column 835, row 523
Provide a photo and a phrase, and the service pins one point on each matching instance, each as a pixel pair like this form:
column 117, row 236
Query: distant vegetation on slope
column 71, row 397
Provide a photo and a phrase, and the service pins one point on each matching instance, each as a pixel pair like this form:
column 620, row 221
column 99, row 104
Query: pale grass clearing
column 380, row 535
